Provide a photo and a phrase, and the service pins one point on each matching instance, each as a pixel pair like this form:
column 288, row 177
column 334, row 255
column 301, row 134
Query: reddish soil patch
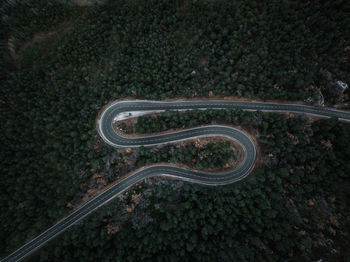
column 126, row 127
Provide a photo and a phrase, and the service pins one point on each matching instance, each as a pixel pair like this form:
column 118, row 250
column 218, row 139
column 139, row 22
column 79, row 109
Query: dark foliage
column 261, row 219
column 211, row 155
column 50, row 96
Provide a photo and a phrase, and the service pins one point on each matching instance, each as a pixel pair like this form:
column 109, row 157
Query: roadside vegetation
column 295, row 203
column 175, row 119
column 52, row 90
column 196, row 155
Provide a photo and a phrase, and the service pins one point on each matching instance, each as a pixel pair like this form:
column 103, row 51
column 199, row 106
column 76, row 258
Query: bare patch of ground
column 126, row 126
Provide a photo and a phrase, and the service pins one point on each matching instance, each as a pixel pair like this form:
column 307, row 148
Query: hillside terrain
column 63, row 62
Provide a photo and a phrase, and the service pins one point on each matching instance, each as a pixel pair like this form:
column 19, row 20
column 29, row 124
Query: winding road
column 108, row 134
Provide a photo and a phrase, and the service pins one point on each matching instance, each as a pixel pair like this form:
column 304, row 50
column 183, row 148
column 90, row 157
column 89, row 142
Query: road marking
column 108, row 134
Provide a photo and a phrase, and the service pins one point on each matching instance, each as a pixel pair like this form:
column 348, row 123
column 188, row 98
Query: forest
column 196, row 155
column 296, row 200
column 62, row 63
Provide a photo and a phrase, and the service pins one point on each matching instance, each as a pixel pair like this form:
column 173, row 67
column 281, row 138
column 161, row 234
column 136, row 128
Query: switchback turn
column 111, row 137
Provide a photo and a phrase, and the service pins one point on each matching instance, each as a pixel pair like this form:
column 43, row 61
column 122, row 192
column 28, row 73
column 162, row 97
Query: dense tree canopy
column 268, row 217
column 61, row 63
column 195, row 155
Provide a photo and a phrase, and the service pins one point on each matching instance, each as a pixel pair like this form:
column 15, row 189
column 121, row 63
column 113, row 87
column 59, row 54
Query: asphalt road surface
column 106, row 131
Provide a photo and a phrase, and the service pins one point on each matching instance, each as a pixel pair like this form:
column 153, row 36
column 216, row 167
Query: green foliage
column 205, row 224
column 254, row 220
column 211, row 155
column 156, row 49
column 252, row 50
column 47, row 150
column 21, row 19
column 176, row 119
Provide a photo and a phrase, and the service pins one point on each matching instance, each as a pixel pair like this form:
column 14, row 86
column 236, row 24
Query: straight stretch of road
column 108, row 134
